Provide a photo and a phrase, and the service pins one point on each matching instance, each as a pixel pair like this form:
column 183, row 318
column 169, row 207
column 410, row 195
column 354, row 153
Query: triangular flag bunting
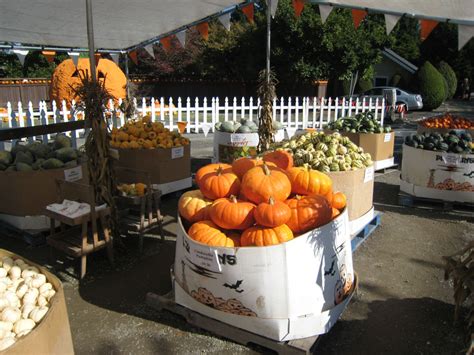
column 427, row 26
column 465, row 33
column 290, row 131
column 390, row 22
column 166, row 43
column 115, row 57
column 21, row 54
column 358, row 16
column 298, row 5
column 133, row 56
column 49, row 55
column 203, row 29
column 74, row 56
column 273, row 7
column 248, row 11
column 149, row 49
column 225, row 20
column 324, row 11
column 97, row 57
column 181, row 36
column 206, row 127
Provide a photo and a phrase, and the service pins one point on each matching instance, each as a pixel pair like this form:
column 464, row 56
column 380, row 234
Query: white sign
column 208, row 259
column 387, row 137
column 369, row 174
column 73, row 174
column 238, row 139
column 451, row 159
column 177, row 152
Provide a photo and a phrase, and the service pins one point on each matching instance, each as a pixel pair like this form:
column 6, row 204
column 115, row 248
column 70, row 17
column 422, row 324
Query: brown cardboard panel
column 158, row 162
column 359, row 193
column 379, row 145
column 27, row 193
column 53, row 334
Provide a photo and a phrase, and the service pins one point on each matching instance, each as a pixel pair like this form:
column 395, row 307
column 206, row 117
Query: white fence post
column 234, row 109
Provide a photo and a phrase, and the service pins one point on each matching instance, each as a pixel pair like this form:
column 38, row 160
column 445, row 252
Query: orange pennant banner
column 133, row 56
column 298, row 5
column 427, row 26
column 358, row 16
column 203, row 29
column 248, row 12
column 49, row 55
column 166, row 43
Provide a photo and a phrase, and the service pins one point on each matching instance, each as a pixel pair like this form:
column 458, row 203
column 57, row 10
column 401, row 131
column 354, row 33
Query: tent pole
column 90, row 39
column 269, row 20
column 126, row 75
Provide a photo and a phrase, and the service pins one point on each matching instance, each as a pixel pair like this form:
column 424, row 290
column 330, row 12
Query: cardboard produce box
column 358, row 186
column 53, row 334
column 438, row 175
column 379, row 145
column 27, row 193
column 285, row 291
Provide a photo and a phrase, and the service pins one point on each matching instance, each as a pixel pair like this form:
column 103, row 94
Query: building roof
column 405, row 64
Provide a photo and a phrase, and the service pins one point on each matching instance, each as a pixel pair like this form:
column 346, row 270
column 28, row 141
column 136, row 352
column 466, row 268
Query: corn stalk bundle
column 266, row 91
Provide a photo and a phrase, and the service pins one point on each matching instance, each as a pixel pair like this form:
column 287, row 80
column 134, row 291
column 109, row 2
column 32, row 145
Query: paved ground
column 403, row 305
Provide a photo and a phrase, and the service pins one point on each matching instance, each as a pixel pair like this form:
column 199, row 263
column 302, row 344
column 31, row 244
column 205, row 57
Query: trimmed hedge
column 448, row 73
column 431, row 86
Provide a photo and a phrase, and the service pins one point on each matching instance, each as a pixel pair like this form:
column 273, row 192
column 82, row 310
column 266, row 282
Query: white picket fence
column 292, row 112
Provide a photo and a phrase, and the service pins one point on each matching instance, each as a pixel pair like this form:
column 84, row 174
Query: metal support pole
column 269, row 20
column 90, row 39
column 127, row 75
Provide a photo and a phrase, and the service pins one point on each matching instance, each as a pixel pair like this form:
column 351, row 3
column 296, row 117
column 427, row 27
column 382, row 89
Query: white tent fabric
column 118, row 24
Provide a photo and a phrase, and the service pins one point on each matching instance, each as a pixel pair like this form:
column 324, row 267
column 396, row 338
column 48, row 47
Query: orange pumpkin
column 229, row 213
column 210, row 168
column 306, row 181
column 262, row 182
column 235, row 238
column 335, row 212
column 272, row 213
column 207, row 232
column 281, row 158
column 308, row 212
column 263, row 236
column 193, row 206
column 242, row 165
column 66, row 78
column 329, row 197
column 339, row 200
column 219, row 183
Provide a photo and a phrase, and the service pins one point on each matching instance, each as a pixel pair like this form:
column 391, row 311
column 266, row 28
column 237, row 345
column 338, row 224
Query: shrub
column 431, row 86
column 448, row 73
column 363, row 85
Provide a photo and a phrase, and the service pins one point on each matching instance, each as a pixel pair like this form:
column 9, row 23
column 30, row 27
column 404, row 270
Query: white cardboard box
column 302, row 278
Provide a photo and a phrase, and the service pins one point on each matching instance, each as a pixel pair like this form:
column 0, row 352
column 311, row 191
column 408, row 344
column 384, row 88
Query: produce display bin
column 286, row 291
column 53, row 334
column 421, row 129
column 437, row 175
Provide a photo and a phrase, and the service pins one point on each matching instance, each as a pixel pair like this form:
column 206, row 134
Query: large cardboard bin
column 53, row 334
column 170, row 169
column 286, row 291
column 437, row 175
column 379, row 145
column 27, row 193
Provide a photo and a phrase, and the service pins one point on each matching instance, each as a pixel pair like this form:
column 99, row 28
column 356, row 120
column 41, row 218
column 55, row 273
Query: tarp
column 118, row 24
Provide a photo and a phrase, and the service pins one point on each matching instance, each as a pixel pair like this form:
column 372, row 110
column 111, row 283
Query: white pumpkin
column 6, row 342
column 11, row 314
column 38, row 313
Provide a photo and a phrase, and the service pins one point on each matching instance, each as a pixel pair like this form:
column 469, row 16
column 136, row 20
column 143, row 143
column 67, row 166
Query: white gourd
column 38, row 313
column 48, row 294
column 6, row 325
column 19, row 262
column 42, row 301
column 4, row 303
column 6, row 280
column 3, row 272
column 26, row 310
column 37, row 281
column 11, row 314
column 29, row 271
column 3, row 287
column 4, row 333
column 21, row 290
column 6, row 342
column 31, row 296
column 47, row 286
column 23, row 325
column 12, row 298
column 7, row 263
column 15, row 272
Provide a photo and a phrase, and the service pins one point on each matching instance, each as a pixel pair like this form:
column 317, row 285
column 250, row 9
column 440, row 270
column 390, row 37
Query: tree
column 431, row 86
column 405, row 39
column 36, row 65
column 450, row 77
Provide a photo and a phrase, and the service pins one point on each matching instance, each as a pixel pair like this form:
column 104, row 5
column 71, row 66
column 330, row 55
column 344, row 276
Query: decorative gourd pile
column 361, row 123
column 244, row 126
column 326, row 152
column 25, row 296
column 137, row 189
column 258, row 202
column 39, row 156
column 447, row 121
column 452, row 142
column 145, row 134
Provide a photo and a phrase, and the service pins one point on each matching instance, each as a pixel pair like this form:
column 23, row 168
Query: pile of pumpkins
column 258, row 202
column 243, row 126
column 145, row 134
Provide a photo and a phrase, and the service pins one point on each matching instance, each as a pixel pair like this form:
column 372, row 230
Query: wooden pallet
column 369, row 228
column 166, row 302
column 33, row 238
column 460, row 208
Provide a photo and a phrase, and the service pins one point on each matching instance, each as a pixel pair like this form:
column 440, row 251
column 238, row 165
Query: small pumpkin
column 281, row 158
column 210, row 168
column 306, row 181
column 335, row 212
column 193, row 206
column 272, row 213
column 308, row 212
column 339, row 200
column 235, row 236
column 242, row 165
column 230, row 213
column 262, row 182
column 207, row 232
column 219, row 183
column 264, row 236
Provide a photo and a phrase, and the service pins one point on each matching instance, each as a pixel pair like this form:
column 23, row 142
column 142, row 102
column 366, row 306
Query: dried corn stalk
column 266, row 91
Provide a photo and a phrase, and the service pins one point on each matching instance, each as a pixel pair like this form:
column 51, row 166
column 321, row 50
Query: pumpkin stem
column 271, row 201
column 266, row 170
column 233, row 198
column 219, row 170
